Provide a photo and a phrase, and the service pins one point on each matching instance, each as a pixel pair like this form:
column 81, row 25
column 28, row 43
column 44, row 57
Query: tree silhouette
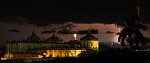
column 131, row 31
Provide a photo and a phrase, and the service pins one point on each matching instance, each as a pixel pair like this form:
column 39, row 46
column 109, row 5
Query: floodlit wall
column 64, row 53
column 20, row 47
column 92, row 44
column 25, row 55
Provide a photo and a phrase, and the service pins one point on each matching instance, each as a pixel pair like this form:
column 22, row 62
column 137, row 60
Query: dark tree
column 131, row 31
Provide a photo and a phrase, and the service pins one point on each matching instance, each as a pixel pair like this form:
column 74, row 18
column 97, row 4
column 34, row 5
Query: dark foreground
column 109, row 56
column 106, row 56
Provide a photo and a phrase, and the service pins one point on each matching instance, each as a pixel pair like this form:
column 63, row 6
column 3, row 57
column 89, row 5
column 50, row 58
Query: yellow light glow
column 44, row 53
column 40, row 56
column 3, row 58
column 94, row 45
column 63, row 53
column 75, row 36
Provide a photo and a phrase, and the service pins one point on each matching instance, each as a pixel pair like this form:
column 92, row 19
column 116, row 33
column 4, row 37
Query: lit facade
column 33, row 47
column 64, row 52
column 90, row 42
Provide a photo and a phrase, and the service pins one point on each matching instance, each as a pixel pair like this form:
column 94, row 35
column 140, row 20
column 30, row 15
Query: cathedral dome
column 33, row 38
column 74, row 42
column 54, row 39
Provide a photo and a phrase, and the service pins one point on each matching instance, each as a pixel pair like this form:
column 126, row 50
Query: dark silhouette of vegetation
column 131, row 32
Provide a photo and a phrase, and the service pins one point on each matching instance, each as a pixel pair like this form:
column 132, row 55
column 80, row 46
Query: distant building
column 54, row 46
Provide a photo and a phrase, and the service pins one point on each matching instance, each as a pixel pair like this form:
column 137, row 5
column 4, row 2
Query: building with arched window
column 54, row 46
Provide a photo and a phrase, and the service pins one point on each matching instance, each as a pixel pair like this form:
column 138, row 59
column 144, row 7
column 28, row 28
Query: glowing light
column 115, row 38
column 3, row 58
column 119, row 43
column 94, row 45
column 75, row 36
column 111, row 44
column 40, row 56
column 44, row 53
column 64, row 53
column 136, row 50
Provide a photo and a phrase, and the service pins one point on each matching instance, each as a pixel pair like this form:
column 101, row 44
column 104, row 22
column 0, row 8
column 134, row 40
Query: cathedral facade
column 34, row 47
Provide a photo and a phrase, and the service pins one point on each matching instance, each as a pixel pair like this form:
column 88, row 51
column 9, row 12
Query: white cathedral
column 34, row 47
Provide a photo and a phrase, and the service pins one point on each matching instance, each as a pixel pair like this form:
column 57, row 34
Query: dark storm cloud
column 13, row 19
column 45, row 20
column 43, row 13
column 13, row 30
column 47, row 31
column 92, row 31
column 109, row 32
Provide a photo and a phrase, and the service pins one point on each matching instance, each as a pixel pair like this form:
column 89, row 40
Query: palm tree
column 131, row 31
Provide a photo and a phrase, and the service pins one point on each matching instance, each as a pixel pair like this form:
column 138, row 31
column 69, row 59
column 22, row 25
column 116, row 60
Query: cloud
column 36, row 21
column 109, row 32
column 13, row 19
column 47, row 31
column 13, row 30
column 41, row 21
column 65, row 31
column 92, row 31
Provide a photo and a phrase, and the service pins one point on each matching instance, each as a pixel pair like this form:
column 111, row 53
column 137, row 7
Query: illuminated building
column 90, row 42
column 54, row 46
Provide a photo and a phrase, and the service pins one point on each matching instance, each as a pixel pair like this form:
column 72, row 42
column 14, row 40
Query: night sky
column 19, row 18
column 42, row 12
